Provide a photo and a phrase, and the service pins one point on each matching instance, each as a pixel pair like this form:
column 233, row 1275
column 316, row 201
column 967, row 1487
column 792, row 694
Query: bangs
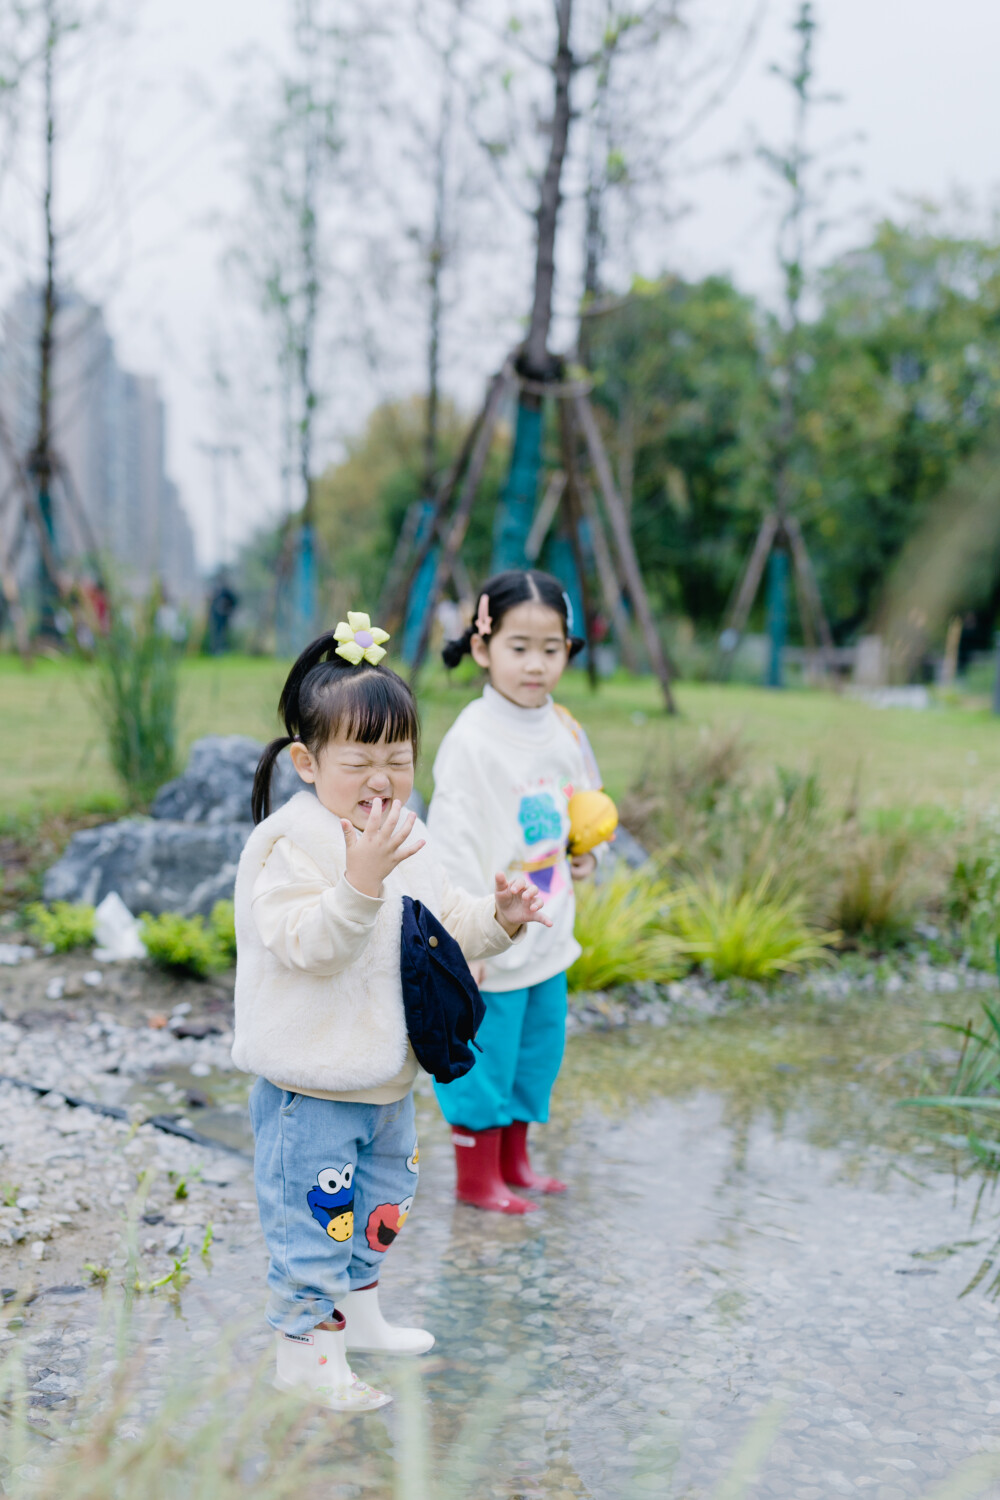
column 372, row 706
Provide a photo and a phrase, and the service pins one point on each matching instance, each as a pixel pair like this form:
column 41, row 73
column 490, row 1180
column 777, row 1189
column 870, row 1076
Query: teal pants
column 523, row 1037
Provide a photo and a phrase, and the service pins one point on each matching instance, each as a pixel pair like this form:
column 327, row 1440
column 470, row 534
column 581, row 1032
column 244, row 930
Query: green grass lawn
column 52, row 754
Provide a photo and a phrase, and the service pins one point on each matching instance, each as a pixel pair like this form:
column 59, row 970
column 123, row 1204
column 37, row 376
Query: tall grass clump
column 974, row 1092
column 753, row 933
column 973, row 896
column 708, row 818
column 137, row 680
column 875, row 895
column 621, row 927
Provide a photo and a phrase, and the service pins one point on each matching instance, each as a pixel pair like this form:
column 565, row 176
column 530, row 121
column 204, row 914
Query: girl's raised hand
column 374, row 854
column 518, row 901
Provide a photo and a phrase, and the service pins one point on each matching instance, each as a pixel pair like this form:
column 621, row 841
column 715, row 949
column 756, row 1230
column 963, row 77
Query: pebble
column 12, row 954
column 762, row 1267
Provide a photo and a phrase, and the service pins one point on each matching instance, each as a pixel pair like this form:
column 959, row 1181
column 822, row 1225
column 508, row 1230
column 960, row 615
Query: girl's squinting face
column 348, row 775
column 526, row 655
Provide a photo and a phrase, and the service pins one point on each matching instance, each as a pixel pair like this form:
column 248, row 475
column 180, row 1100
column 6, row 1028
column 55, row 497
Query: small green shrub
column 189, row 943
column 222, row 923
column 745, row 934
column 61, row 926
column 619, row 926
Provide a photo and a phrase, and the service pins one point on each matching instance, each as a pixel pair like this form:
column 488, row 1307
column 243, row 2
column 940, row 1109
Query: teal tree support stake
column 517, row 503
column 777, row 615
column 420, row 593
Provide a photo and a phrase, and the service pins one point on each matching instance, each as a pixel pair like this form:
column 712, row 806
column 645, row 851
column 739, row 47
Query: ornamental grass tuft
column 752, row 933
column 620, row 925
column 136, row 691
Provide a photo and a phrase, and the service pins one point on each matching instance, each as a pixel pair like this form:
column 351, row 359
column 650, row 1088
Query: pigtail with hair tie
column 453, row 651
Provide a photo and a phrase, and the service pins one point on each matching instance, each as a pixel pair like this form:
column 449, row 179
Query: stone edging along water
column 700, row 995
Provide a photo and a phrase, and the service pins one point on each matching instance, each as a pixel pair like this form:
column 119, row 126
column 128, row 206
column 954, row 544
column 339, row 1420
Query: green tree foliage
column 903, row 384
column 361, row 503
column 899, row 384
column 898, row 389
column 681, row 380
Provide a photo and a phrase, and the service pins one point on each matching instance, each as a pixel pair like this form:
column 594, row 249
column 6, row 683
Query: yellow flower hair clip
column 360, row 640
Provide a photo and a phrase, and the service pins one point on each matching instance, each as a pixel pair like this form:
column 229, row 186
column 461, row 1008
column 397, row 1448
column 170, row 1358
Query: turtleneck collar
column 527, row 723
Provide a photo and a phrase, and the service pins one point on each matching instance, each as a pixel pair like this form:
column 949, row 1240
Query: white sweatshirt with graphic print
column 503, row 778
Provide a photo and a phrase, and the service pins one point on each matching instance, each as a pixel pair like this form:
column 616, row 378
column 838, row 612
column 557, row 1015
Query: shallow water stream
column 758, row 1272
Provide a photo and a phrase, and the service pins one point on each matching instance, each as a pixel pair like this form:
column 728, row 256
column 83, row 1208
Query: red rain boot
column 477, row 1164
column 515, row 1166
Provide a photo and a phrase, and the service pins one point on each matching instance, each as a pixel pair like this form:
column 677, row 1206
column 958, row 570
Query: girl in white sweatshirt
column 503, row 778
column 319, row 1004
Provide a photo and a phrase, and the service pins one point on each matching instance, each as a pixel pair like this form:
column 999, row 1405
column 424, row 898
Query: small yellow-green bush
column 191, row 943
column 754, row 933
column 61, row 926
column 620, row 927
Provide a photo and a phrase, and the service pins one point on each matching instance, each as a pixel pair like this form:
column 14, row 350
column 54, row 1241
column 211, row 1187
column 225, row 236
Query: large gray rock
column 216, row 786
column 154, row 865
column 184, row 857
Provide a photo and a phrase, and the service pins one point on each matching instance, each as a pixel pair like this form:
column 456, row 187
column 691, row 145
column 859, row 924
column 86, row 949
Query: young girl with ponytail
column 503, row 778
column 327, row 945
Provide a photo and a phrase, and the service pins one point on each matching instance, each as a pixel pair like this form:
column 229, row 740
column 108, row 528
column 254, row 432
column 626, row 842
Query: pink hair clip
column 484, row 622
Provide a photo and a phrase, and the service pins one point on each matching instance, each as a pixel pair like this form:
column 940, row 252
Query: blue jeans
column 523, row 1037
column 334, row 1183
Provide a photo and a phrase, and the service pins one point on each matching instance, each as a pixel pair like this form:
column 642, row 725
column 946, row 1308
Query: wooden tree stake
column 460, row 520
column 626, row 550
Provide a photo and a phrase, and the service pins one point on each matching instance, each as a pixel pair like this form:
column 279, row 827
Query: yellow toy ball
column 593, row 818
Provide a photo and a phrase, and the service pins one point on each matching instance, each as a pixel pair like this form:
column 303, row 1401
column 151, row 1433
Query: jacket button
column 432, row 942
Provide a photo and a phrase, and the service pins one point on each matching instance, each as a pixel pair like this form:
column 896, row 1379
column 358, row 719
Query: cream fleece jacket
column 503, row 778
column 319, row 1004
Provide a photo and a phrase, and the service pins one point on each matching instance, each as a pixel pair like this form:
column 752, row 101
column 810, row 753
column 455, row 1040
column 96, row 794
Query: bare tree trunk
column 550, row 198
column 305, row 581
column 435, row 269
column 41, row 458
column 626, row 452
column 517, row 503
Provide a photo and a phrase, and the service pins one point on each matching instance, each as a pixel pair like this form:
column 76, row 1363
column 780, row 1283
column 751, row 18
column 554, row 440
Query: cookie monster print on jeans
column 335, row 1182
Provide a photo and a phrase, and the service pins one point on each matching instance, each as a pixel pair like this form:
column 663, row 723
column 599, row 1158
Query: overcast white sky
column 918, row 80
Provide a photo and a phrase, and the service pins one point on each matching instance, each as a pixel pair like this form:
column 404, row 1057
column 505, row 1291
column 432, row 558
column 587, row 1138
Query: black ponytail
column 324, row 695
column 453, row 651
column 260, row 797
column 505, row 590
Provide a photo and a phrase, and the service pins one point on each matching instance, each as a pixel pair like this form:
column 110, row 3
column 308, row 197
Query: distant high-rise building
column 108, row 432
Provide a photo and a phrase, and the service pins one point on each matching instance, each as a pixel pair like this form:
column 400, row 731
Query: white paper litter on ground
column 116, row 931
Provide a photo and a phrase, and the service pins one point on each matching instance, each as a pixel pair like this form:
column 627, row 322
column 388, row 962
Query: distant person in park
column 345, row 980
column 221, row 608
column 503, row 778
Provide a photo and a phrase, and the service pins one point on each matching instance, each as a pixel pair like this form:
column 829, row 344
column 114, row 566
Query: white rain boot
column 369, row 1333
column 314, row 1366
